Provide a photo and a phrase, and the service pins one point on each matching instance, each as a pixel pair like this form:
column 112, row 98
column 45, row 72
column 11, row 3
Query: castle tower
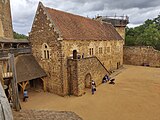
column 6, row 30
column 119, row 22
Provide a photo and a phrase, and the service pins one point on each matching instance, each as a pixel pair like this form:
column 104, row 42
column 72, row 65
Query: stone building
column 5, row 19
column 73, row 49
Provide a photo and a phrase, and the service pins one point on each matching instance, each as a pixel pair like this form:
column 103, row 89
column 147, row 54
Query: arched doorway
column 88, row 80
column 74, row 54
column 118, row 65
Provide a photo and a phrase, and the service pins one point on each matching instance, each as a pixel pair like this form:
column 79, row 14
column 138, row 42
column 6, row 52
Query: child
column 25, row 95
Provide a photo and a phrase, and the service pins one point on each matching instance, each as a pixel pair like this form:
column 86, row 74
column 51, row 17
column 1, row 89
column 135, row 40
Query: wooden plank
column 4, row 58
column 16, row 101
column 1, row 77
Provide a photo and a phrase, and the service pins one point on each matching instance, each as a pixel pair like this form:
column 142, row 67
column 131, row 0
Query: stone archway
column 88, row 79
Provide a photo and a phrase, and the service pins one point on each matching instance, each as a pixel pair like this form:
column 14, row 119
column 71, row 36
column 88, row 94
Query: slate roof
column 75, row 27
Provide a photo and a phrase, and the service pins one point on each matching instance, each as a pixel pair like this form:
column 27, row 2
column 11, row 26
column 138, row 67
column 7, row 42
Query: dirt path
column 135, row 96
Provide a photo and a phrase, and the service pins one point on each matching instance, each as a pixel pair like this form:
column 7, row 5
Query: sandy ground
column 135, row 96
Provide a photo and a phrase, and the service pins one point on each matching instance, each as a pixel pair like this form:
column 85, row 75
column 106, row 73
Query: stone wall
column 6, row 29
column 121, row 31
column 111, row 59
column 82, row 71
column 72, row 76
column 43, row 32
column 142, row 56
column 112, row 51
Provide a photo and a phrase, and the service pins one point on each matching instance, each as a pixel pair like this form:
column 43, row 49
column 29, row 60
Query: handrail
column 5, row 52
column 102, row 65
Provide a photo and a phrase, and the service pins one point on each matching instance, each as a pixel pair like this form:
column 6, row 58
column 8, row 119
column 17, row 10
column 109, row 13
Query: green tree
column 157, row 22
column 147, row 34
column 130, row 41
column 19, row 36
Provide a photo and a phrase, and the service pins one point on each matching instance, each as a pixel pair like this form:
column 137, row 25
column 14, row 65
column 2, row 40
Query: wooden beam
column 4, row 58
column 15, row 95
column 44, row 84
column 20, row 85
column 1, row 76
column 23, row 85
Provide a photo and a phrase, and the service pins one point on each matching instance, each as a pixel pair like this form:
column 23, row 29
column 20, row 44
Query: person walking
column 25, row 95
column 93, row 86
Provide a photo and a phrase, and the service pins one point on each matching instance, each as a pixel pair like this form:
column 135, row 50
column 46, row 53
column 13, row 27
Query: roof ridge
column 68, row 13
column 73, row 26
column 75, row 15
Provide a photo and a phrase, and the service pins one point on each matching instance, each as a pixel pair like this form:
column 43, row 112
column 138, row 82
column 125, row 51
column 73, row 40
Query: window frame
column 46, row 51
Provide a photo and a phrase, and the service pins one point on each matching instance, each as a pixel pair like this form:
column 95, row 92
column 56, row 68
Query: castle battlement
column 116, row 21
column 119, row 22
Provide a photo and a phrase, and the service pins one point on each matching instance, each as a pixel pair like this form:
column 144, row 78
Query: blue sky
column 23, row 11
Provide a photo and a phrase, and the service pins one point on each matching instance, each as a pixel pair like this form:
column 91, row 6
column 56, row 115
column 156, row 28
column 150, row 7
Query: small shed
column 27, row 68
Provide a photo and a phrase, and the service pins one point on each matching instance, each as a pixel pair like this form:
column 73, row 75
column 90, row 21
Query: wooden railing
column 7, row 75
column 15, row 51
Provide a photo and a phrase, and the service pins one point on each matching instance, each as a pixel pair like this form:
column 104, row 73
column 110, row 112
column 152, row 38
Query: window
column 45, row 51
column 100, row 50
column 90, row 51
column 108, row 49
column 117, row 48
column 105, row 50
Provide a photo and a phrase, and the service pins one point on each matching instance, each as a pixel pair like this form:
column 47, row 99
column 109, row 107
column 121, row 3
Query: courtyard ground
column 135, row 96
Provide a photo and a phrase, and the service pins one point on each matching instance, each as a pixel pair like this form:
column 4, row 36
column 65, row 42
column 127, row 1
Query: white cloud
column 23, row 11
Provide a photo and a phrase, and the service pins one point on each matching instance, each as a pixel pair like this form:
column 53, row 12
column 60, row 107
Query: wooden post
column 23, row 85
column 15, row 95
column 44, row 85
column 1, row 76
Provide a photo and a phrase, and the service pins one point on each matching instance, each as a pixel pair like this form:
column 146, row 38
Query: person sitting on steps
column 112, row 81
column 105, row 79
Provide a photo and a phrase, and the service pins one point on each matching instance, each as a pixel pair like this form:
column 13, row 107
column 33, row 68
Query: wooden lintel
column 4, row 58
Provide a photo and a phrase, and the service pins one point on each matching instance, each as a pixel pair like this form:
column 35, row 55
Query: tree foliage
column 147, row 34
column 19, row 36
